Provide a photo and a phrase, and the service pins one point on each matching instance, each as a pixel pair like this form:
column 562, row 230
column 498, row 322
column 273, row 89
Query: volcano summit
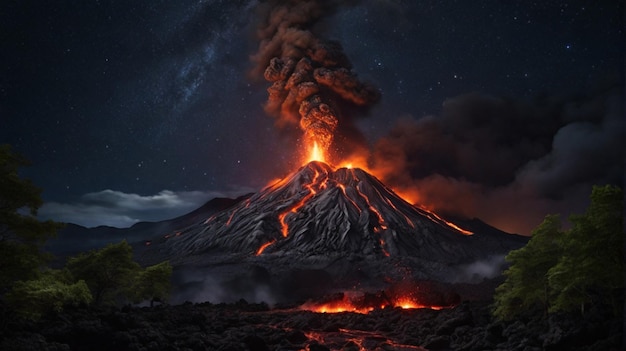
column 342, row 222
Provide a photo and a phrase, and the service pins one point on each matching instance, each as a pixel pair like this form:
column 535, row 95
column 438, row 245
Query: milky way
column 139, row 98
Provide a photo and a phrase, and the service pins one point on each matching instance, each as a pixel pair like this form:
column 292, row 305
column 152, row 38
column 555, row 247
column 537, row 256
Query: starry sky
column 144, row 110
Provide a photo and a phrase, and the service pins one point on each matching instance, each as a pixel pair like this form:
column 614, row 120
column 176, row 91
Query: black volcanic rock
column 321, row 211
column 468, row 326
column 342, row 224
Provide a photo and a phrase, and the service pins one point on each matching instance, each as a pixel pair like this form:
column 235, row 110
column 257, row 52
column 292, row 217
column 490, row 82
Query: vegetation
column 567, row 270
column 113, row 277
column 21, row 234
column 50, row 292
column 106, row 276
column 153, row 283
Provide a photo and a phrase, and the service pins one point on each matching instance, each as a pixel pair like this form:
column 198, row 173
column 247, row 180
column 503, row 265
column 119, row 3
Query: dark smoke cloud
column 507, row 162
column 313, row 88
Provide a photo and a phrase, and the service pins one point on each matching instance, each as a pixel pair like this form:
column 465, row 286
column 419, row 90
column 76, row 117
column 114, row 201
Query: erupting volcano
column 342, row 224
column 320, row 210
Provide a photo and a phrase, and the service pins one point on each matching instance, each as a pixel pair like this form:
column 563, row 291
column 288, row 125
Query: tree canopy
column 566, row 270
column 21, row 234
column 50, row 292
column 113, row 276
column 105, row 276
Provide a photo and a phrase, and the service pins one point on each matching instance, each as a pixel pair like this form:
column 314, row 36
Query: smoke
column 479, row 270
column 216, row 285
column 313, row 88
column 507, row 162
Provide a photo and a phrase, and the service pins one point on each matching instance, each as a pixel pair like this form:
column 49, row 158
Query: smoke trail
column 313, row 86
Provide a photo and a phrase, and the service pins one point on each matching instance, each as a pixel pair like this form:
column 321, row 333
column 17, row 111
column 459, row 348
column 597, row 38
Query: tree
column 591, row 269
column 527, row 283
column 21, row 234
column 568, row 270
column 108, row 272
column 153, row 283
column 50, row 292
column 113, row 276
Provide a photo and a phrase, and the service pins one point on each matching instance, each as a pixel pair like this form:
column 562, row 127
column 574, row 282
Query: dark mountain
column 321, row 227
column 75, row 238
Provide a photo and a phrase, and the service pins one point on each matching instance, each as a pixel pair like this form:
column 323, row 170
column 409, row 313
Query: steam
column 478, row 270
column 507, row 162
column 313, row 87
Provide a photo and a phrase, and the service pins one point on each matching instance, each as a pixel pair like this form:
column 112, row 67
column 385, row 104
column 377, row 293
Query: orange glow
column 264, row 246
column 336, row 307
column 316, row 153
column 282, row 218
column 408, row 303
column 347, row 305
column 436, row 218
column 230, row 219
column 355, row 162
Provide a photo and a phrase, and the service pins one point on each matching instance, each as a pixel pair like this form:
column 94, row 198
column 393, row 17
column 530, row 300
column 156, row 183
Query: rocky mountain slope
column 332, row 228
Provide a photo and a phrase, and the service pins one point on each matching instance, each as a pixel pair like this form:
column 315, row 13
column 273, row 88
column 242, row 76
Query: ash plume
column 313, row 87
column 506, row 161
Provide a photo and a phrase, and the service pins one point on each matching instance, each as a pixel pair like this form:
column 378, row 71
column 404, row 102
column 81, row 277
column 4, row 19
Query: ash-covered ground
column 256, row 327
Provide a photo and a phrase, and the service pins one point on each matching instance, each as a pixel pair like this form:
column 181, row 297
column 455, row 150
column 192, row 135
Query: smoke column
column 313, row 86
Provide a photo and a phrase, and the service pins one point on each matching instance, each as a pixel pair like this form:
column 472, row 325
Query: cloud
column 119, row 209
column 507, row 162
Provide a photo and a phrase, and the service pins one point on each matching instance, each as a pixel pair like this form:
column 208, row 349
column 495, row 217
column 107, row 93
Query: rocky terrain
column 256, row 327
column 322, row 229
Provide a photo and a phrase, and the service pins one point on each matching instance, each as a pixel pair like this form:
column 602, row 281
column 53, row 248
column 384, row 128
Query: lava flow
column 365, row 303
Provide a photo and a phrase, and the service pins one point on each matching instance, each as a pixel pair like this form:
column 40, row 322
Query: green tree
column 591, row 269
column 153, row 283
column 113, row 276
column 50, row 292
column 21, row 234
column 566, row 271
column 527, row 283
column 109, row 272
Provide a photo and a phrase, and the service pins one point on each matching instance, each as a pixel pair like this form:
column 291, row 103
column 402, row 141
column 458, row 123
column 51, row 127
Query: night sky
column 144, row 110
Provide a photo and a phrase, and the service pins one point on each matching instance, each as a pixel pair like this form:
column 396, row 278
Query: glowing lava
column 365, row 304
column 316, row 153
column 263, row 247
column 284, row 227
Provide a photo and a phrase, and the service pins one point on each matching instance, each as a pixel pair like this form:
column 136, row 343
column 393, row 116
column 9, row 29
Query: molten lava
column 366, row 303
column 316, row 153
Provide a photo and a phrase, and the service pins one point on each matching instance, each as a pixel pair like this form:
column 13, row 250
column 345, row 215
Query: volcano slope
column 333, row 229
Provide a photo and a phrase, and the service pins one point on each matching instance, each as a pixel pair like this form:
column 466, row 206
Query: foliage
column 592, row 266
column 50, row 292
column 153, row 283
column 566, row 270
column 21, row 235
column 113, row 276
column 108, row 272
column 526, row 281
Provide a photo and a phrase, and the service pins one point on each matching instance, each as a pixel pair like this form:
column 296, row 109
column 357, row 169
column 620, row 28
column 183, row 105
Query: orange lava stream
column 264, row 246
column 231, row 217
column 343, row 189
column 284, row 227
column 435, row 217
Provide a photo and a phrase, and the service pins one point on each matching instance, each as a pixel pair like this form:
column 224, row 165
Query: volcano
column 321, row 211
column 343, row 225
